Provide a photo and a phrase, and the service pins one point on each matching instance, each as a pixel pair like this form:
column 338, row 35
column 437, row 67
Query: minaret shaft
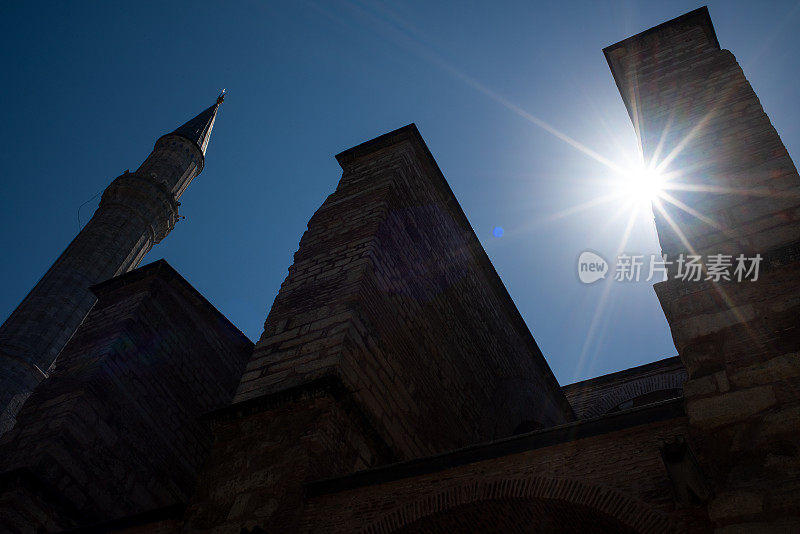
column 111, row 243
column 137, row 210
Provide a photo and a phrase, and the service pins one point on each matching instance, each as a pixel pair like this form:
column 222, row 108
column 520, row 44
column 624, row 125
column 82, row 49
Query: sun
column 642, row 185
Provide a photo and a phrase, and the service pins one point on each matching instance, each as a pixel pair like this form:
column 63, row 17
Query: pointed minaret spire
column 136, row 212
column 198, row 130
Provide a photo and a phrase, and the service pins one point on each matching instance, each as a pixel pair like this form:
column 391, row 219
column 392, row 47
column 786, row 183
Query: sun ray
column 675, row 227
column 693, row 212
column 603, row 301
column 407, row 37
column 662, row 138
column 572, row 210
column 720, row 103
column 722, row 190
column 696, row 129
column 717, row 287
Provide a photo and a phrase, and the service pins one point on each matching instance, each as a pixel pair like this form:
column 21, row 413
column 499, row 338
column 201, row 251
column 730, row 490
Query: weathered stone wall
column 643, row 384
column 694, row 109
column 741, row 346
column 392, row 291
column 115, row 430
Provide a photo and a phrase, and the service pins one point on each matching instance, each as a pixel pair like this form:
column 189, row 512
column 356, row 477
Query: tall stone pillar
column 392, row 291
column 697, row 115
column 391, row 338
column 136, row 211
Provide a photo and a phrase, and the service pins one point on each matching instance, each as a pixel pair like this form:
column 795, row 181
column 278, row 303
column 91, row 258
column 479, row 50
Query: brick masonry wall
column 615, row 479
column 391, row 291
column 597, row 396
column 738, row 341
column 115, row 431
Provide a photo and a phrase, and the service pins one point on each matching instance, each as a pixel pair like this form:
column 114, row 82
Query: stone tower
column 391, row 338
column 696, row 113
column 137, row 210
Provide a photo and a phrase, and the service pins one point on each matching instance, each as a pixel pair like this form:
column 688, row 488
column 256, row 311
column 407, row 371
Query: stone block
column 775, row 370
column 710, row 323
column 786, row 421
column 729, row 407
column 700, row 387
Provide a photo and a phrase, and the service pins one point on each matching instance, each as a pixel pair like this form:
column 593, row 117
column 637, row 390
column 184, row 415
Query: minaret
column 137, row 210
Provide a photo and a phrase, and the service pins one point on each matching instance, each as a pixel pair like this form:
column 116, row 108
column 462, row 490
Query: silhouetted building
column 136, row 211
column 395, row 387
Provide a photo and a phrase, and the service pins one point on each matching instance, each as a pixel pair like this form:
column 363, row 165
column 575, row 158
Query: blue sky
column 89, row 87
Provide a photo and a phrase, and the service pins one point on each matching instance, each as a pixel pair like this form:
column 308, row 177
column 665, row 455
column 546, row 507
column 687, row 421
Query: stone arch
column 633, row 514
column 636, row 388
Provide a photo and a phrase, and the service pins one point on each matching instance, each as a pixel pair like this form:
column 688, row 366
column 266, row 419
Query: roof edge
column 669, row 362
column 701, row 14
column 405, row 133
column 165, row 271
